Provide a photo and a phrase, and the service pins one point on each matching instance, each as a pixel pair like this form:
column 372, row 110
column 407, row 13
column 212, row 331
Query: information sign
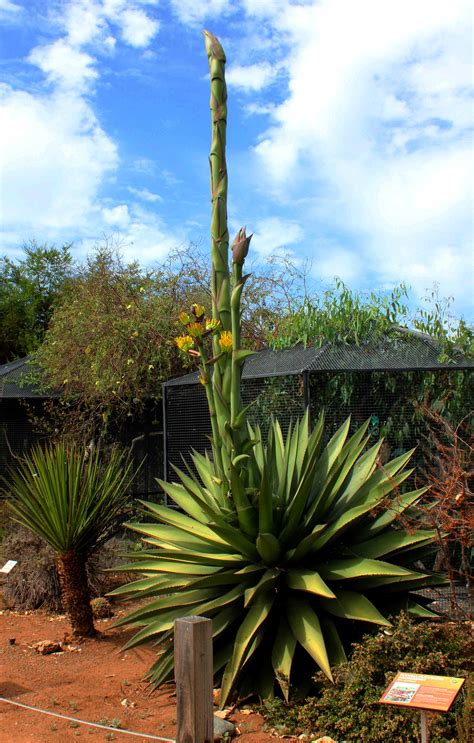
column 419, row 691
column 9, row 565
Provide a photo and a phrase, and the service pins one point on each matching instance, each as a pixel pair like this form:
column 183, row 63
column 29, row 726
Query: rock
column 46, row 647
column 223, row 729
column 325, row 739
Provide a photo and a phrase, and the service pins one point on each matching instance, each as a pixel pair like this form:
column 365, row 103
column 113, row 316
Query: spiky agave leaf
column 308, row 545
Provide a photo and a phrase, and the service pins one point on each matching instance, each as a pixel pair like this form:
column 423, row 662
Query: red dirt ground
column 98, row 683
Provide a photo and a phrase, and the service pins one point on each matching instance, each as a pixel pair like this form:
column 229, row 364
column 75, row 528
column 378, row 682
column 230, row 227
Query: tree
column 69, row 497
column 108, row 347
column 29, row 290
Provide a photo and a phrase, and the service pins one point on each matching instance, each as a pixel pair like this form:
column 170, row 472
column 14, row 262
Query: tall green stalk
column 221, row 374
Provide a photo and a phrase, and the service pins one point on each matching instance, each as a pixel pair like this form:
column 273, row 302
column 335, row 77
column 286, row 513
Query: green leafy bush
column 349, row 710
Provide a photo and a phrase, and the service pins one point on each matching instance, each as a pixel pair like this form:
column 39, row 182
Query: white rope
column 86, row 722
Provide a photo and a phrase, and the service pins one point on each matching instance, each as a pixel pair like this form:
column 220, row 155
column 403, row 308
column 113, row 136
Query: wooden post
column 425, row 729
column 194, row 680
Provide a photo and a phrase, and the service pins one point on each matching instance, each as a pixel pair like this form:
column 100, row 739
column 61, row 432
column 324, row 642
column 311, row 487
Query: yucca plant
column 74, row 500
column 284, row 543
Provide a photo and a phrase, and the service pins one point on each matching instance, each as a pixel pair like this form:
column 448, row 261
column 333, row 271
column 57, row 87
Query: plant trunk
column 75, row 592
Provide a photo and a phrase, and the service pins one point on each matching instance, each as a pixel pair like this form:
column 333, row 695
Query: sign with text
column 9, row 565
column 416, row 690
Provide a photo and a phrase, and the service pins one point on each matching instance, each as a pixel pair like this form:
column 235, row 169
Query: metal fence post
column 194, row 680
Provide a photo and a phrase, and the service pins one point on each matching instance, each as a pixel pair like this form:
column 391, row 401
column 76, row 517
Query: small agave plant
column 286, row 543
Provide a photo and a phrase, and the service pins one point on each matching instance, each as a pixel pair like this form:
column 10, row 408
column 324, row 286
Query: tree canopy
column 29, row 289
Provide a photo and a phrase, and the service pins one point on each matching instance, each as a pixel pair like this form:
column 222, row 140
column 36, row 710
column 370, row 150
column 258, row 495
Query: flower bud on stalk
column 240, row 246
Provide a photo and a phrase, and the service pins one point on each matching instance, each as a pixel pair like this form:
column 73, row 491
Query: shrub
column 349, row 710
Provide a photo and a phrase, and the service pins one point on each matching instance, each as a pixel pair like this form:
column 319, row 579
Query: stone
column 46, row 647
column 223, row 729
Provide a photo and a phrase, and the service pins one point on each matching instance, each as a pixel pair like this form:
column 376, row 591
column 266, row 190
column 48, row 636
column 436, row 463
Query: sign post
column 419, row 691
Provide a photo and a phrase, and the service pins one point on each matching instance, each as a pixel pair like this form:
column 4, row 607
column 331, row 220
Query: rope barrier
column 86, row 722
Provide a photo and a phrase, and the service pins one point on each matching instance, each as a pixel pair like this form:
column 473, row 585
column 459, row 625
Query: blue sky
column 349, row 133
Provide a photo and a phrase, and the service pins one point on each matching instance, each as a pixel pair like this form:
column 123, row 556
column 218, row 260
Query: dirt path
column 97, row 682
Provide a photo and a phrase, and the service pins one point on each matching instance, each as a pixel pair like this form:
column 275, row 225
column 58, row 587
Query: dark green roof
column 401, row 350
column 15, row 380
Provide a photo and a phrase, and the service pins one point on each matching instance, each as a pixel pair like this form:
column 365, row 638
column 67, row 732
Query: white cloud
column 275, row 236
column 145, row 194
column 117, row 216
column 192, row 12
column 376, row 121
column 137, row 28
column 9, row 9
column 64, row 65
column 54, row 158
column 55, row 154
column 251, row 77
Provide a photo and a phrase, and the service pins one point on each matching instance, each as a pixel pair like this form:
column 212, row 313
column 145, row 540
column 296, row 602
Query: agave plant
column 69, row 497
column 300, row 552
column 284, row 543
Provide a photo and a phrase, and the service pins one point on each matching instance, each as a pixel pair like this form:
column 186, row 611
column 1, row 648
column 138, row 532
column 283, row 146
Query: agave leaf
column 265, row 501
column 358, row 567
column 162, row 670
column 174, row 537
column 325, row 462
column 268, row 579
column 308, row 580
column 382, row 481
column 255, row 616
column 153, row 586
column 224, row 619
column 164, row 603
column 391, row 542
column 268, row 548
column 342, row 468
column 398, row 505
column 353, row 605
column 297, row 504
column 162, row 624
column 413, row 608
column 185, row 500
column 170, row 566
column 295, row 555
column 397, row 583
column 333, row 642
column 246, row 514
column 282, row 655
column 221, row 559
column 362, row 470
column 306, row 627
column 185, row 523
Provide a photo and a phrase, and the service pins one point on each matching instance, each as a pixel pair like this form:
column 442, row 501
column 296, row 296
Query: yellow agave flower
column 184, row 342
column 185, row 318
column 195, row 329
column 212, row 324
column 198, row 310
column 225, row 340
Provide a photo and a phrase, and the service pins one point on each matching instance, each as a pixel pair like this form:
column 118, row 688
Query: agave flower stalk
column 284, row 544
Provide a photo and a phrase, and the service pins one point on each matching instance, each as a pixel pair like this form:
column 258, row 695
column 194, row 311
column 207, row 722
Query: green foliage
column 340, row 315
column 285, row 556
column 107, row 347
column 350, row 711
column 68, row 496
column 29, row 290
